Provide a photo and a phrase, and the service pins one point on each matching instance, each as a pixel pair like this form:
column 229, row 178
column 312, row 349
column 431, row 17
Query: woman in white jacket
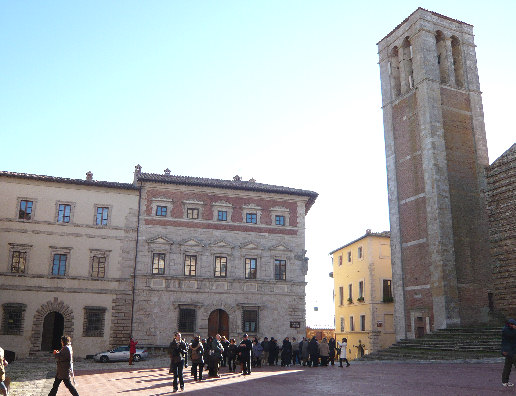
column 343, row 347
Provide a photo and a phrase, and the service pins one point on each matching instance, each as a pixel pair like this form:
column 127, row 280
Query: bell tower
column 436, row 155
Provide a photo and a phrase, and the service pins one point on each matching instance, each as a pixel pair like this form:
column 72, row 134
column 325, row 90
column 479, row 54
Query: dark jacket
column 232, row 351
column 286, row 350
column 313, row 348
column 265, row 345
column 246, row 348
column 197, row 353
column 509, row 340
column 217, row 348
column 177, row 351
column 64, row 359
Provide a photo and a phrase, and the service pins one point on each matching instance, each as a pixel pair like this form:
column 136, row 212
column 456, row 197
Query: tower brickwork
column 436, row 155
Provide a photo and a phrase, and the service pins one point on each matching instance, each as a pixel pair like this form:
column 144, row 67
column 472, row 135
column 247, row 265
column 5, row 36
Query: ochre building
column 364, row 308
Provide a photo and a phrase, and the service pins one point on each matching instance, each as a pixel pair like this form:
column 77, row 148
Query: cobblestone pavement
column 151, row 377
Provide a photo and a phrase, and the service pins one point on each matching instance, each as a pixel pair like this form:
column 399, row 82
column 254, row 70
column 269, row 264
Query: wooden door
column 218, row 323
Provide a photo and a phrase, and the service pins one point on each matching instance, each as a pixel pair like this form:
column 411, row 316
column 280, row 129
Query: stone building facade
column 66, row 258
column 501, row 181
column 436, row 154
column 219, row 256
column 100, row 261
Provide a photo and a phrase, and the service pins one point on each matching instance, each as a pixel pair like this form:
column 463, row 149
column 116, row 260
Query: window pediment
column 192, row 242
column 160, row 240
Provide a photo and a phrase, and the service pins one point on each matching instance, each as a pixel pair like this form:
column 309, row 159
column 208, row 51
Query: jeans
column 177, row 370
column 68, row 384
column 509, row 361
column 197, row 367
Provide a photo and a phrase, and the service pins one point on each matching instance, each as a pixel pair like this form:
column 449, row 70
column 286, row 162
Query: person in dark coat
column 273, row 351
column 508, row 350
column 332, row 345
column 246, row 348
column 225, row 345
column 303, row 345
column 313, row 351
column 232, row 354
column 265, row 354
column 286, row 353
column 215, row 356
column 197, row 358
column 64, row 360
column 177, row 351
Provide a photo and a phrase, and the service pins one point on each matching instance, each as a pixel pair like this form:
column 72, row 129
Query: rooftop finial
column 167, row 172
column 89, row 176
column 237, row 178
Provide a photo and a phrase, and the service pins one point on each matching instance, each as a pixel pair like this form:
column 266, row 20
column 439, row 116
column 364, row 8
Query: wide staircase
column 447, row 344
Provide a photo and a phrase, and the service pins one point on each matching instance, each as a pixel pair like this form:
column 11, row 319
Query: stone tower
column 436, row 154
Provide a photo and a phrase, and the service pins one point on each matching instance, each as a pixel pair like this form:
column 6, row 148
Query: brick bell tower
column 436, row 154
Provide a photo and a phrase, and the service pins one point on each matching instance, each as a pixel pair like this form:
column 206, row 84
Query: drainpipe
column 136, row 254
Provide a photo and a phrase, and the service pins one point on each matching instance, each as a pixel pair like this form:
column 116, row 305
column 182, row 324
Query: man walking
column 64, row 361
column 177, row 350
column 508, row 350
column 246, row 348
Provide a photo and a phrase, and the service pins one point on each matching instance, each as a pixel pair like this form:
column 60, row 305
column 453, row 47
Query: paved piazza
column 363, row 378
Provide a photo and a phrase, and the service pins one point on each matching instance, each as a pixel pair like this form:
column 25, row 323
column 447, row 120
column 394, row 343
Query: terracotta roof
column 228, row 184
column 431, row 12
column 385, row 234
column 53, row 179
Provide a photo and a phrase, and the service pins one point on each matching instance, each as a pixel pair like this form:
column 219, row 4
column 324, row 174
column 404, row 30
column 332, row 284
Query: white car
column 120, row 354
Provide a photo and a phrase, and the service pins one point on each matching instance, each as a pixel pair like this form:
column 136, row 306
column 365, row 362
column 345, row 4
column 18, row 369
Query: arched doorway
column 53, row 329
column 218, row 323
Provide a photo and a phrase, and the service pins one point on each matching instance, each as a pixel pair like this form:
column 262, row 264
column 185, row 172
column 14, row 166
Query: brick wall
column 501, row 179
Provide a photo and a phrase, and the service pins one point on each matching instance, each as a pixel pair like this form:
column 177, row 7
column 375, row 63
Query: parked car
column 120, row 353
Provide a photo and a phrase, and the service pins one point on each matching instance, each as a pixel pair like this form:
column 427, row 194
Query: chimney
column 167, row 172
column 368, row 231
column 89, row 176
column 237, row 178
column 137, row 173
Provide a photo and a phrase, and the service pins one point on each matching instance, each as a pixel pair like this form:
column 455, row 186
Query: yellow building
column 364, row 308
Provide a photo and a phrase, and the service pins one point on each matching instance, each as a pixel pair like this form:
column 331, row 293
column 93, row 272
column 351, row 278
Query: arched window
column 458, row 67
column 394, row 71
column 442, row 57
column 408, row 75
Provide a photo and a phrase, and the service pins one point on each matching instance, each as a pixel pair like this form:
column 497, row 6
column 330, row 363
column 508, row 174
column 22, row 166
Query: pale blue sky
column 286, row 92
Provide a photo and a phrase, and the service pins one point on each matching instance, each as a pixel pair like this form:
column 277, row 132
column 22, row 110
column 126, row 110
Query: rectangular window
column 280, row 220
column 362, row 322
column 251, row 218
column 349, row 257
column 192, row 213
column 12, row 318
column 222, row 215
column 158, row 263
column 340, row 260
column 94, row 321
column 351, row 324
column 18, row 262
column 186, row 320
column 25, row 212
column 387, row 290
column 98, row 267
column 102, row 216
column 361, row 289
column 250, row 321
column 221, row 267
column 59, row 264
column 341, row 295
column 342, row 324
column 280, row 269
column 250, row 268
column 63, row 214
column 360, row 252
column 350, row 291
column 161, row 211
column 190, row 265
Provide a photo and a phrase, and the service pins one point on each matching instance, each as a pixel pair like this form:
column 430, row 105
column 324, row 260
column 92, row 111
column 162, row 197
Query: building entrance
column 218, row 323
column 53, row 329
